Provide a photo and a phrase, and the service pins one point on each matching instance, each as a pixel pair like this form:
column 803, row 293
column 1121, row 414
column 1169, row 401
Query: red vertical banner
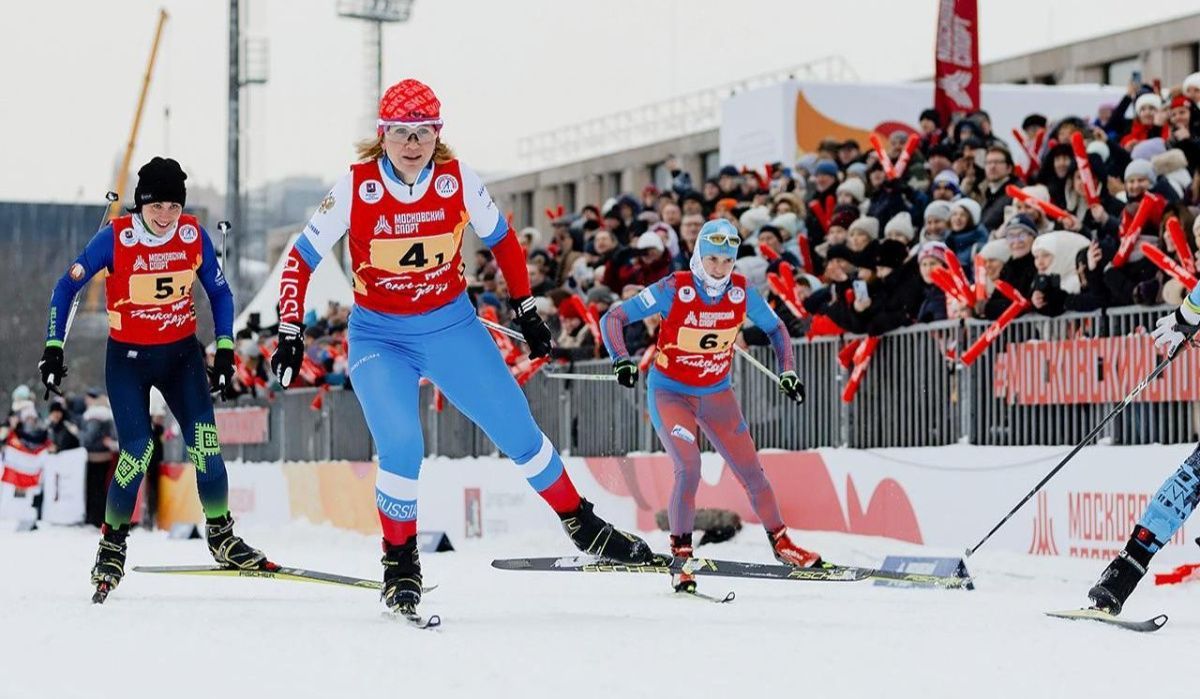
column 956, row 58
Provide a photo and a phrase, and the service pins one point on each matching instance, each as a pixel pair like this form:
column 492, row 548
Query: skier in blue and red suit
column 405, row 207
column 153, row 256
column 703, row 308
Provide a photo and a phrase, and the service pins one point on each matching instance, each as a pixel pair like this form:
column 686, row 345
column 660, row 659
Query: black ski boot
column 228, row 549
column 594, row 536
column 110, row 561
column 1121, row 576
column 681, row 547
column 401, row 577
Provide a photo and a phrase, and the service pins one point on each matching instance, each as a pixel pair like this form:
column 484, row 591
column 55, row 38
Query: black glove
column 289, row 355
column 537, row 335
column 626, row 371
column 790, row 386
column 53, row 369
column 220, row 376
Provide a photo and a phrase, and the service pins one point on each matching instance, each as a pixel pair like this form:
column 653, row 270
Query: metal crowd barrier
column 912, row 395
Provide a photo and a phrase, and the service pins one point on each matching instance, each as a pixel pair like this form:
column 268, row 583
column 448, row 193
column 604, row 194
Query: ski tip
column 1159, row 621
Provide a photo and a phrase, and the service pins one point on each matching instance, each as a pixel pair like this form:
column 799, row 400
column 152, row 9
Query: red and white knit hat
column 410, row 102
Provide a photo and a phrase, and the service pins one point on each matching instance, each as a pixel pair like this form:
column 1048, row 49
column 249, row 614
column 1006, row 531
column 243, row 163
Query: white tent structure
column 328, row 284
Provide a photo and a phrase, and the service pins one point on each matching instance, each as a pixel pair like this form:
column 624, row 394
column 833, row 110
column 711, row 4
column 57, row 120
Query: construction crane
column 122, row 175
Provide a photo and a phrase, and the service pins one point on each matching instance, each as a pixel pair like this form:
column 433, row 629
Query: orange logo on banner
column 1043, row 530
column 802, row 483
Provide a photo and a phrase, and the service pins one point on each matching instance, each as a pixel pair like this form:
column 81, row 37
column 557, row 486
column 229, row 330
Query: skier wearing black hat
column 153, row 255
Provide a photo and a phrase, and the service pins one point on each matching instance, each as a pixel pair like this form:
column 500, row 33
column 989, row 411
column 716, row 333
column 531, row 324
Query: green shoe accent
column 129, row 467
column 206, row 445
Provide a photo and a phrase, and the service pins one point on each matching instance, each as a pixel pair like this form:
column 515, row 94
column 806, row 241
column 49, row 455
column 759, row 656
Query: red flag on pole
column 956, row 59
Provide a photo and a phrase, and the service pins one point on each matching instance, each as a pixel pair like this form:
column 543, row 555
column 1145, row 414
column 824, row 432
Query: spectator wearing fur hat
column 966, row 235
column 1054, row 259
column 1019, row 271
column 937, row 221
column 752, row 219
column 786, row 202
column 1172, row 166
column 899, row 291
column 1056, row 172
column 991, row 193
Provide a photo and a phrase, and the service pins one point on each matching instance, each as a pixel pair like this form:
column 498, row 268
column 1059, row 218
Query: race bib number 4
column 403, row 255
column 162, row 288
column 700, row 341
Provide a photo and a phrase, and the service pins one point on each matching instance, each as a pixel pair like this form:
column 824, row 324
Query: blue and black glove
column 53, row 368
column 289, row 355
column 220, row 376
column 537, row 335
column 790, row 386
column 626, row 371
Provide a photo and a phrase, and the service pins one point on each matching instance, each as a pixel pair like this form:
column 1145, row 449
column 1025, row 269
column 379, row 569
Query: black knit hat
column 161, row 179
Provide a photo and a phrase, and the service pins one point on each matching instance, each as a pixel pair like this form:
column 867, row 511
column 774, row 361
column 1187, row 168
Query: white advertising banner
column 782, row 122
column 64, row 486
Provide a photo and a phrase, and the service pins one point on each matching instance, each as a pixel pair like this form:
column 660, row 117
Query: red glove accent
column 293, row 286
column 511, row 260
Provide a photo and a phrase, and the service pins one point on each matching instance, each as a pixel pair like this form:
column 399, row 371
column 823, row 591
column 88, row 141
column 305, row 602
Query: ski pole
column 109, row 197
column 564, row 376
column 1158, row 370
column 756, row 364
column 223, row 227
column 503, row 330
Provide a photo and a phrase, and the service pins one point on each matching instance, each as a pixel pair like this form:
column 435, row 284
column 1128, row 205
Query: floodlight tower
column 375, row 13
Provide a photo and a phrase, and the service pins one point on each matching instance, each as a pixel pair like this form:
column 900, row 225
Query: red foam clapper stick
column 884, row 160
column 910, row 147
column 980, row 278
column 1171, row 267
column 1041, row 204
column 944, row 280
column 993, row 331
column 862, row 359
column 959, row 276
column 1179, row 240
column 1091, row 189
column 1131, row 232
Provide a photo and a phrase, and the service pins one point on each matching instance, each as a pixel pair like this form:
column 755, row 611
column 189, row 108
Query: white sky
column 72, row 70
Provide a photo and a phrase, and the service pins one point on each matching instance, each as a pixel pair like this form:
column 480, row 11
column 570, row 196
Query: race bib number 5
column 162, row 288
column 402, row 255
column 700, row 341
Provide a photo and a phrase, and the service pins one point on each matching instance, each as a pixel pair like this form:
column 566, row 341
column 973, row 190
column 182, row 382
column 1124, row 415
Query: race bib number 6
column 402, row 255
column 699, row 341
column 162, row 288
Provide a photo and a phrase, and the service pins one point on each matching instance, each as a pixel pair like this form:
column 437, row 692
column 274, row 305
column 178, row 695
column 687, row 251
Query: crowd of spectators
column 864, row 246
column 837, row 218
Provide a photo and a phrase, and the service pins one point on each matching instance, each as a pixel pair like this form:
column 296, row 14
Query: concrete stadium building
column 622, row 152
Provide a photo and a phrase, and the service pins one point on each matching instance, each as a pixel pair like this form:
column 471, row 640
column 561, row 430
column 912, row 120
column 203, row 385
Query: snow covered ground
column 560, row 635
